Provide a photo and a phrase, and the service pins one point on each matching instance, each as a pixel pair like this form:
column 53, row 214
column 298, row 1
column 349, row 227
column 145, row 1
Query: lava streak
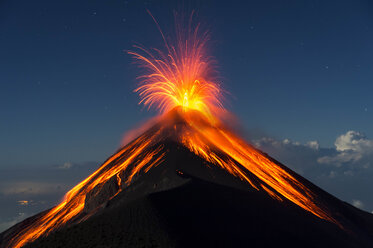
column 138, row 154
column 221, row 147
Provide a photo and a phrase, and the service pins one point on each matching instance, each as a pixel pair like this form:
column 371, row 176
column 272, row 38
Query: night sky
column 299, row 75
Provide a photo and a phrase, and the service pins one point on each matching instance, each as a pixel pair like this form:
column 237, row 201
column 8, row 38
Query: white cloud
column 353, row 141
column 313, row 144
column 265, row 141
column 340, row 158
column 358, row 204
column 350, row 147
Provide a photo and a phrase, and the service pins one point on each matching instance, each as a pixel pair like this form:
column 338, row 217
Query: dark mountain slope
column 202, row 214
column 183, row 204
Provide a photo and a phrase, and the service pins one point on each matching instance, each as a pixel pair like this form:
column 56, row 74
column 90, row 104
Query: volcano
column 157, row 191
column 189, row 180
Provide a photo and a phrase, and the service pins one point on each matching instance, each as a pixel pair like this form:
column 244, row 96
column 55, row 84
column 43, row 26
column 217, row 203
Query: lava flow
column 180, row 80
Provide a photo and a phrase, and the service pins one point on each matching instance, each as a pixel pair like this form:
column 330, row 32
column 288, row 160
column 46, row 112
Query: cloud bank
column 346, row 170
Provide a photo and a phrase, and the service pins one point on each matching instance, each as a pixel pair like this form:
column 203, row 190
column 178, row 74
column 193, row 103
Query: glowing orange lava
column 181, row 78
column 74, row 201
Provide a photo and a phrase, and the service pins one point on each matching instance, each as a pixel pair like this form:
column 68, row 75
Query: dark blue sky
column 298, row 70
column 295, row 69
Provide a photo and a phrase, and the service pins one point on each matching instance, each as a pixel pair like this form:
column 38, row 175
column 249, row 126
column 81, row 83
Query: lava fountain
column 181, row 76
column 181, row 79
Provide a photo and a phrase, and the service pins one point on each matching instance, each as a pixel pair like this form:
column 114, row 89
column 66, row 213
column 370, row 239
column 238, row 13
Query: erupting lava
column 180, row 83
column 184, row 76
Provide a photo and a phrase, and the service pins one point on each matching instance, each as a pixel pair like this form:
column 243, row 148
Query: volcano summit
column 189, row 181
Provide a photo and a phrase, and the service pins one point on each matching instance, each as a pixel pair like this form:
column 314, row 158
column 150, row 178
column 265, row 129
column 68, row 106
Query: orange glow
column 181, row 81
column 210, row 141
column 180, row 77
column 74, row 201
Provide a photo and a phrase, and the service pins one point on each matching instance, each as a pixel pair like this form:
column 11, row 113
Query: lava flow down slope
column 189, row 180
